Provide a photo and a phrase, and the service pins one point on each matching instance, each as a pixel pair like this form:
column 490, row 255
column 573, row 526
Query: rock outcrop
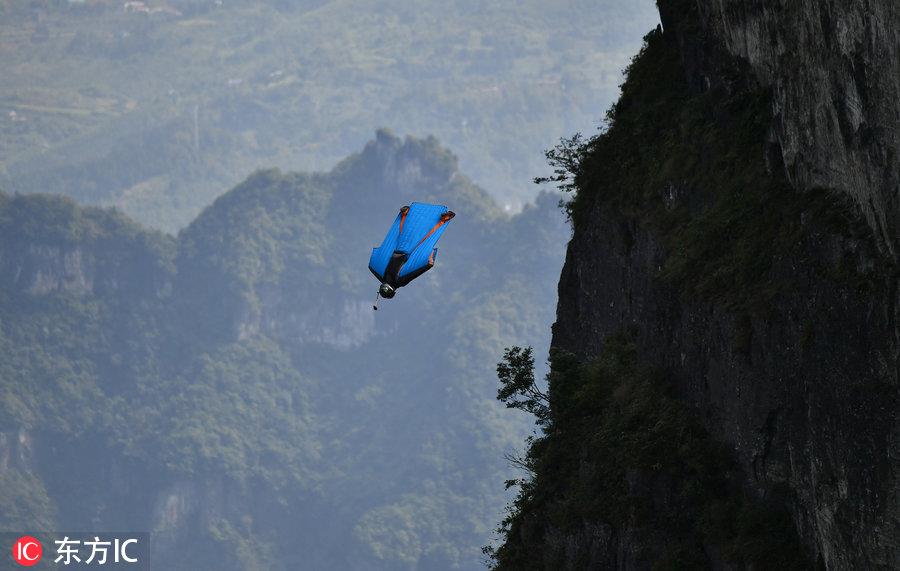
column 834, row 72
column 740, row 219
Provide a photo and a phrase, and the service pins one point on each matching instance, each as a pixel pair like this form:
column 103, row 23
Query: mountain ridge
column 242, row 382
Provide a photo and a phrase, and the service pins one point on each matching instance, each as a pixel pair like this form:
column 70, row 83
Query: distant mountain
column 231, row 389
column 158, row 107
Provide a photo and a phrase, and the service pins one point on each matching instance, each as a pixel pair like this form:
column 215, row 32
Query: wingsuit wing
column 409, row 249
column 381, row 255
column 422, row 257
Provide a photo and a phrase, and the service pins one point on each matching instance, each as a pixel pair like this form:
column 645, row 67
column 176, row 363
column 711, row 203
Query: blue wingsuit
column 408, row 250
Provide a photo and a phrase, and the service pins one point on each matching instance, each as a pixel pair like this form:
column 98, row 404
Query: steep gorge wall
column 799, row 377
column 834, row 71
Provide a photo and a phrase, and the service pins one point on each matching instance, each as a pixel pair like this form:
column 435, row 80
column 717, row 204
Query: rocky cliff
column 833, row 69
column 738, row 224
column 50, row 245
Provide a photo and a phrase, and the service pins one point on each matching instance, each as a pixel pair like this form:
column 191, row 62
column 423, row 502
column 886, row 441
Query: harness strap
column 403, row 212
column 445, row 217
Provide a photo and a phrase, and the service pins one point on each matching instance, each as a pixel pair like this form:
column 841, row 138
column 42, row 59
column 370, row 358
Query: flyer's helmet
column 386, row 291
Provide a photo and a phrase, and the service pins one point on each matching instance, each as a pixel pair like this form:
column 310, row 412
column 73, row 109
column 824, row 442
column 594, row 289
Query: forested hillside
column 231, row 388
column 159, row 106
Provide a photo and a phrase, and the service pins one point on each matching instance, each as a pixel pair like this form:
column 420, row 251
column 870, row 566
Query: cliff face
column 740, row 220
column 834, row 71
column 51, row 245
column 805, row 395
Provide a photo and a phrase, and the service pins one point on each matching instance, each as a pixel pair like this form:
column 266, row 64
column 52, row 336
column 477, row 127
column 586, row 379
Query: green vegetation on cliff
column 696, row 168
column 620, row 454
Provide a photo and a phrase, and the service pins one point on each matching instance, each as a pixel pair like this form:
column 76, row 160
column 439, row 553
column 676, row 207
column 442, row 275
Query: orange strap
column 403, row 212
column 445, row 217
